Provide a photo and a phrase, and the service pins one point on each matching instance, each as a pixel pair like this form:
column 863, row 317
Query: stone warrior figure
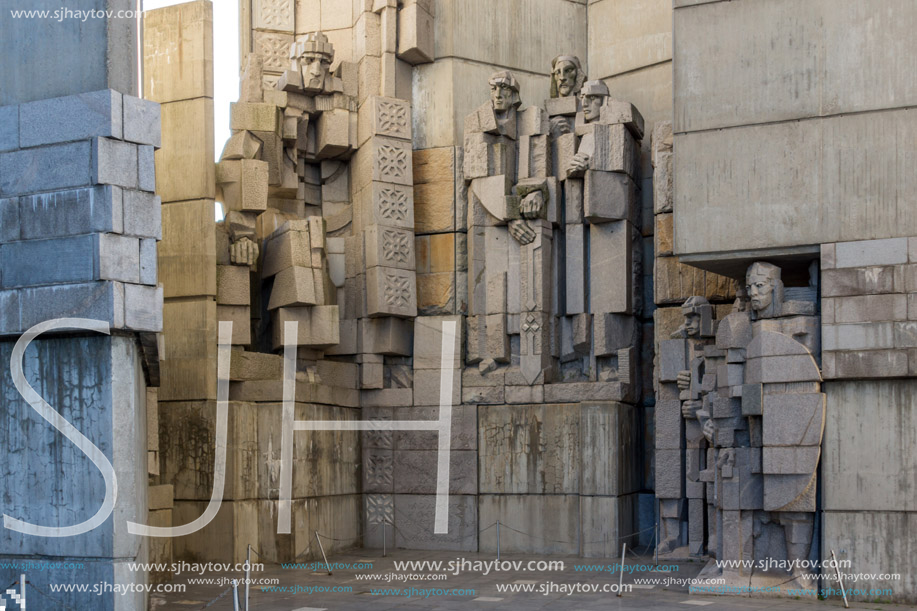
column 511, row 194
column 763, row 414
column 284, row 181
column 680, row 443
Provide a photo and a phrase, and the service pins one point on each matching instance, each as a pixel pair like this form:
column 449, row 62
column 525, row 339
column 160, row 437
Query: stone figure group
column 739, row 422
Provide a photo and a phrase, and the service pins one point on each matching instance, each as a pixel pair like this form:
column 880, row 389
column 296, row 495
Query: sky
column 225, row 67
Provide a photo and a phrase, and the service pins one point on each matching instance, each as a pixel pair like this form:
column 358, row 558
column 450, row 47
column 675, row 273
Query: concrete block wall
column 79, row 229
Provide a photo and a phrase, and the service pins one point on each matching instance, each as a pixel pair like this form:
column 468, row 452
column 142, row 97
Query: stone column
column 80, row 222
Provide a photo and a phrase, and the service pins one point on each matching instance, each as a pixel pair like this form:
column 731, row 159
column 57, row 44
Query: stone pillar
column 80, row 222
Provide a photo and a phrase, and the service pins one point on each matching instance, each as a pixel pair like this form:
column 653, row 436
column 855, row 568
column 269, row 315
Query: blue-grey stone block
column 9, row 219
column 142, row 121
column 148, row 273
column 146, row 168
column 54, row 261
column 142, row 214
column 119, row 257
column 114, row 163
column 73, row 117
column 143, row 307
column 10, row 321
column 46, row 168
column 71, row 212
column 9, row 128
column 98, row 300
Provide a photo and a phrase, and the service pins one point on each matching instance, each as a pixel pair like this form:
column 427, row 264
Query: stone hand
column 244, row 252
column 531, row 205
column 689, row 409
column 522, row 232
column 683, row 380
column 708, row 430
column 578, row 165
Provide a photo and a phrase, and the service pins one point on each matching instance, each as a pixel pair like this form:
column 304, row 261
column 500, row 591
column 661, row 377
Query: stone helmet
column 700, row 307
column 316, row 44
column 594, row 88
column 770, row 305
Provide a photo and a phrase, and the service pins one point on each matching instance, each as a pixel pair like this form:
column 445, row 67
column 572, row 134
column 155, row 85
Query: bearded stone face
column 565, row 75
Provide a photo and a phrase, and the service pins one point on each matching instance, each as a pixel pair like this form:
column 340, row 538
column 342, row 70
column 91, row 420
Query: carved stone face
column 760, row 291
column 565, row 75
column 592, row 107
column 692, row 325
column 314, row 71
column 502, row 97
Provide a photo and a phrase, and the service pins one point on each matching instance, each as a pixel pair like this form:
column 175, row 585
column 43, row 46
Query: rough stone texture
column 415, row 526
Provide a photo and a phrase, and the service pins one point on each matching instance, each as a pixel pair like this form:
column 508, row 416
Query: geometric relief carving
column 397, row 246
column 273, row 15
column 380, row 508
column 378, row 438
column 378, row 470
column 397, row 290
column 392, row 161
column 392, row 118
column 393, row 206
column 274, row 49
column 391, row 292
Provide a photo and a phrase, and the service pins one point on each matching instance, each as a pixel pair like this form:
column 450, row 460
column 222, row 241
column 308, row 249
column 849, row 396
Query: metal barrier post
column 322, row 547
column 621, row 578
column 498, row 539
column 248, row 573
column 837, row 571
column 235, row 595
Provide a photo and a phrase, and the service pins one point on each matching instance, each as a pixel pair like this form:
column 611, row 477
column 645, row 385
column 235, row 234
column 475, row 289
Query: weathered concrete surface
column 96, row 383
column 741, row 63
column 626, row 35
column 870, row 446
column 547, row 524
column 747, row 183
column 48, row 58
column 876, row 542
column 415, row 515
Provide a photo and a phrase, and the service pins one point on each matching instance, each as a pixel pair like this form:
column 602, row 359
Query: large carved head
column 594, row 94
column 698, row 315
column 567, row 76
column 504, row 91
column 314, row 54
column 765, row 289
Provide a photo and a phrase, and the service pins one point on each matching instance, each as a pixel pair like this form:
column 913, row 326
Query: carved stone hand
column 521, row 231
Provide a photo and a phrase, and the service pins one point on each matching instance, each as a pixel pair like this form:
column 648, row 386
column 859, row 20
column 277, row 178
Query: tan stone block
column 628, row 34
column 370, row 74
column 242, row 145
column 189, row 367
column 368, row 35
column 436, row 293
column 422, row 254
column 333, row 133
column 318, row 325
column 270, row 221
column 184, row 164
column 160, row 497
column 337, row 14
column 178, row 52
column 442, row 249
column 308, row 16
column 293, row 286
column 187, row 253
column 389, row 247
column 244, row 184
column 245, row 365
column 416, row 34
column 233, row 285
column 241, row 323
column 254, row 117
column 389, row 336
column 663, row 234
column 389, row 204
column 276, row 15
column 674, row 282
column 391, row 292
column 290, row 248
column 391, row 117
column 434, row 190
